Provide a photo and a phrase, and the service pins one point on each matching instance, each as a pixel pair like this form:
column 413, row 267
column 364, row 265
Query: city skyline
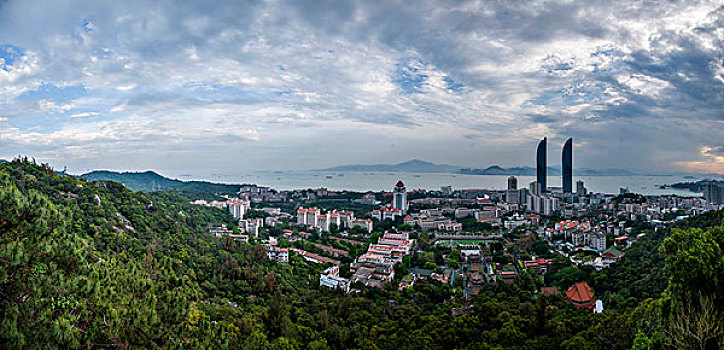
column 235, row 87
column 361, row 174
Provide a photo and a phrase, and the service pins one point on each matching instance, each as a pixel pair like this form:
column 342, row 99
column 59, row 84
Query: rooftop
column 580, row 292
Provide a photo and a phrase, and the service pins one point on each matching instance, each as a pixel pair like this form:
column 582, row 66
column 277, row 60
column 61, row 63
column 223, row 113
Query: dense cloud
column 236, row 86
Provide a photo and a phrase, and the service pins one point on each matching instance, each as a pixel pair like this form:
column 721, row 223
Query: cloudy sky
column 199, row 87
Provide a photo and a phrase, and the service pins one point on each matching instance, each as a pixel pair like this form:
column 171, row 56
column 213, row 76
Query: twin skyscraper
column 566, row 161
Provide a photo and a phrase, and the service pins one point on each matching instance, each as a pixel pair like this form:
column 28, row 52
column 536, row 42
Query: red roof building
column 580, row 295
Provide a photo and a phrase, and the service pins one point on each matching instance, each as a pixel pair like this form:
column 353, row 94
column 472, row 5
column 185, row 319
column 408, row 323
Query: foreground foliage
column 94, row 265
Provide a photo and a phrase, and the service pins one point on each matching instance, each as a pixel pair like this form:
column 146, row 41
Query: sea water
column 385, row 181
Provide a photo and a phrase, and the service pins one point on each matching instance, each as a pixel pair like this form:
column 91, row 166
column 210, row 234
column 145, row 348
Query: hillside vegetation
column 94, row 265
column 149, row 181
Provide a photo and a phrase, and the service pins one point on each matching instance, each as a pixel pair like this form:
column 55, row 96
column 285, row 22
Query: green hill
column 149, row 181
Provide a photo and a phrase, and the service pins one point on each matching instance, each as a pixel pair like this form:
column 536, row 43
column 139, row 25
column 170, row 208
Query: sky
column 198, row 87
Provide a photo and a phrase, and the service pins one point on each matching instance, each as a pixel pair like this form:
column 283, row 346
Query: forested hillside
column 150, row 181
column 95, row 265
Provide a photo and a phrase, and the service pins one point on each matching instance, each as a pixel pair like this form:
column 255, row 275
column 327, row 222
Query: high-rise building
column 399, row 197
column 512, row 183
column 567, row 162
column 534, row 188
column 580, row 189
column 541, row 164
column 714, row 193
column 446, row 190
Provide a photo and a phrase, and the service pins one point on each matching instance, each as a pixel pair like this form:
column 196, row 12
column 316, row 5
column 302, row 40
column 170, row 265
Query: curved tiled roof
column 579, row 292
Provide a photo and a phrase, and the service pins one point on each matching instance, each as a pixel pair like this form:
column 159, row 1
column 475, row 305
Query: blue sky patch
column 453, row 86
column 87, row 25
column 49, row 91
column 9, row 55
column 409, row 75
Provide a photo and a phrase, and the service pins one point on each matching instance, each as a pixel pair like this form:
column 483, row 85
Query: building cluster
column 258, row 194
column 313, row 217
column 583, row 241
column 367, row 199
column 539, row 265
column 236, row 206
column 223, row 231
column 579, row 234
column 427, row 222
column 519, row 220
column 387, row 212
column 376, row 267
column 539, row 197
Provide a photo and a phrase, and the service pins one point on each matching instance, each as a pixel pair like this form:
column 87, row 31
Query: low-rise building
column 330, row 278
column 580, row 295
column 539, row 265
column 280, row 255
column 220, row 231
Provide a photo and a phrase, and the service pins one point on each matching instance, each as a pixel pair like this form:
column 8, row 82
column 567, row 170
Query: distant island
column 421, row 166
column 693, row 186
column 414, row 165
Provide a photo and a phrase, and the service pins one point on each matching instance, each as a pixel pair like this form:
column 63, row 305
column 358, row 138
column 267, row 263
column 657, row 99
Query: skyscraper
column 580, row 188
column 567, row 162
column 534, row 188
column 541, row 165
column 512, row 183
column 399, row 197
column 714, row 193
column 512, row 195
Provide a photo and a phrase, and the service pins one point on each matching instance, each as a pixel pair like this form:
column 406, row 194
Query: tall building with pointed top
column 541, row 165
column 399, row 197
column 567, row 162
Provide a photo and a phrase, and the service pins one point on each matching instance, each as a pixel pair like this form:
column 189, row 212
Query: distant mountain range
column 414, row 165
column 148, row 181
column 421, row 166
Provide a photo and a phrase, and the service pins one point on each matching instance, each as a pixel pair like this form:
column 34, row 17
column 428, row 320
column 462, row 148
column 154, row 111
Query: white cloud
column 281, row 77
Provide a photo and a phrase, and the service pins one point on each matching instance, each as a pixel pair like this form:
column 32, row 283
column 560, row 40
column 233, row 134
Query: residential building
column 238, row 207
column 714, row 193
column 385, row 213
column 330, row 278
column 220, row 231
column 597, row 241
column 251, row 226
column 580, row 189
column 365, row 224
column 242, row 238
column 280, row 255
